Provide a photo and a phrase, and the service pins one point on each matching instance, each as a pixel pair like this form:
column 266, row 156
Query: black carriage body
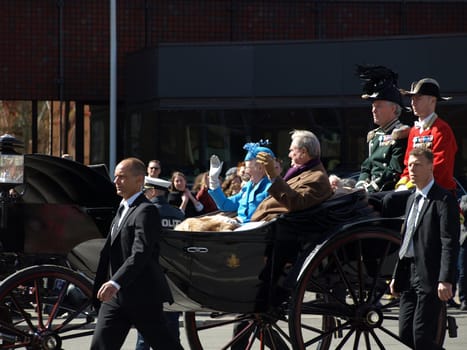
column 61, row 204
column 250, row 271
column 221, row 271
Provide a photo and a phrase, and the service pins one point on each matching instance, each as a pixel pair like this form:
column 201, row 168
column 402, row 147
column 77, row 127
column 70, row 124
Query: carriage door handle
column 197, row 249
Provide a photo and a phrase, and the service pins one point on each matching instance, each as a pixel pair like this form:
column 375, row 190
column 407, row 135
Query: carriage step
column 452, row 327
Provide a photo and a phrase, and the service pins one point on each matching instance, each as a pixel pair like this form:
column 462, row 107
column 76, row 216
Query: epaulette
column 371, row 134
column 401, row 132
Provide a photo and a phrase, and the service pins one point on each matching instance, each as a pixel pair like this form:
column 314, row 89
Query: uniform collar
column 426, row 123
column 389, row 126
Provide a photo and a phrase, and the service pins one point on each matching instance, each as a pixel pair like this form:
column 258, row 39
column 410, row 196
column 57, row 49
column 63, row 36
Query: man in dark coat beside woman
column 305, row 184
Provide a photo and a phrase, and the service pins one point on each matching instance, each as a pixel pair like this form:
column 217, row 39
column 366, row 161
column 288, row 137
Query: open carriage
column 315, row 279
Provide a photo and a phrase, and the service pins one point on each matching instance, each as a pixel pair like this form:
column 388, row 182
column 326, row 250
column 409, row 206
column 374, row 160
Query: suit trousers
column 115, row 321
column 418, row 321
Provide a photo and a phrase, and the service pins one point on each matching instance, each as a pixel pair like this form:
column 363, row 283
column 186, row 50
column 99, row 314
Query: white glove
column 214, row 172
column 361, row 184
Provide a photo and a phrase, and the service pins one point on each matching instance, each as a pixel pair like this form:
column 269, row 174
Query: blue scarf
column 297, row 170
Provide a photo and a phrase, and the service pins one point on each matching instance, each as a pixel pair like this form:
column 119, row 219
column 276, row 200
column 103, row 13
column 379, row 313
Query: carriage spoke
column 324, row 334
column 391, row 304
column 19, row 309
column 372, row 295
column 390, row 333
column 377, row 340
column 38, row 304
column 325, row 292
column 344, row 277
column 367, row 340
column 281, row 332
column 361, row 281
column 56, row 306
column 217, row 324
column 344, row 340
column 356, row 340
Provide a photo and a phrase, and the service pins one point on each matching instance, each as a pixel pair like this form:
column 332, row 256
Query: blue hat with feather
column 253, row 148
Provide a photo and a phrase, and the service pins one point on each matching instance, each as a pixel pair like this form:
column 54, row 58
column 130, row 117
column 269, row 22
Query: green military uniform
column 385, row 162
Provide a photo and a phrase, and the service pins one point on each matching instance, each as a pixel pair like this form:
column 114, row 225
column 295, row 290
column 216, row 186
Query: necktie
column 411, row 222
column 117, row 219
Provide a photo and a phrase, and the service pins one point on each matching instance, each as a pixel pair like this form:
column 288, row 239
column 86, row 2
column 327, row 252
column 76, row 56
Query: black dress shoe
column 453, row 304
column 463, row 306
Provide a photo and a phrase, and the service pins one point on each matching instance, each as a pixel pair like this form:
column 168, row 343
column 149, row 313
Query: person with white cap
column 255, row 190
column 431, row 132
column 156, row 190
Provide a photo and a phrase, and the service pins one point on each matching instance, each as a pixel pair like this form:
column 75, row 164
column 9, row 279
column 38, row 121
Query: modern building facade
column 201, row 77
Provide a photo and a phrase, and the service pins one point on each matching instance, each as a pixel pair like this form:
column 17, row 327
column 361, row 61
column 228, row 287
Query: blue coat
column 246, row 201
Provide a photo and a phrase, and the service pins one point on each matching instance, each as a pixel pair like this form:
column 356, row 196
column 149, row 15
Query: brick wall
column 32, row 40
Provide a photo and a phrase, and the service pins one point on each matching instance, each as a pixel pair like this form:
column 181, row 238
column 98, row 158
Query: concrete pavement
column 216, row 338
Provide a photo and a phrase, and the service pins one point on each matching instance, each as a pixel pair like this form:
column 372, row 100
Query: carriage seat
column 338, row 210
column 85, row 256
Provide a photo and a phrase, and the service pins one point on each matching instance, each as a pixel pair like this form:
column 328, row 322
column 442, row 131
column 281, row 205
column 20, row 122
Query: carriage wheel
column 342, row 301
column 42, row 306
column 255, row 331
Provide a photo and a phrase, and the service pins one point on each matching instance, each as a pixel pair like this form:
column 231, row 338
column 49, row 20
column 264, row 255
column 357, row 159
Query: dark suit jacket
column 133, row 257
column 436, row 241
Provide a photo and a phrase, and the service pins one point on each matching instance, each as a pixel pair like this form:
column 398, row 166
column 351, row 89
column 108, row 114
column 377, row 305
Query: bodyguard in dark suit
column 129, row 280
column 426, row 271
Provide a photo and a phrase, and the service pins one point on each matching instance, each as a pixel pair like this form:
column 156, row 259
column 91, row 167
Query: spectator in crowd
column 154, row 168
column 181, row 197
column 233, row 170
column 387, row 143
column 252, row 193
column 202, row 193
column 242, row 173
column 279, row 166
column 156, row 191
column 129, row 278
column 305, row 184
column 426, row 270
column 197, row 183
column 462, row 266
column 232, row 185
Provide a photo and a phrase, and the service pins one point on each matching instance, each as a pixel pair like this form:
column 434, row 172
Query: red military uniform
column 439, row 137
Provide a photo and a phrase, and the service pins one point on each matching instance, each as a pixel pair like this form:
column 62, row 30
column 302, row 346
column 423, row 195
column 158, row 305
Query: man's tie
column 117, row 220
column 411, row 222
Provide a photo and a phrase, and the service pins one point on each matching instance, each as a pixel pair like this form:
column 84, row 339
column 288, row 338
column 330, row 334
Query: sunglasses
column 154, row 167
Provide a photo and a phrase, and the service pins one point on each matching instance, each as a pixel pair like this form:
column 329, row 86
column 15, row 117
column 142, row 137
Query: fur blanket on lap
column 216, row 222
